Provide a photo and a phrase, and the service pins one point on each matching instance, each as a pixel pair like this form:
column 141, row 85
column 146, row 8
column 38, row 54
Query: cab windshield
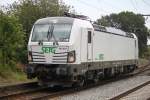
column 59, row 32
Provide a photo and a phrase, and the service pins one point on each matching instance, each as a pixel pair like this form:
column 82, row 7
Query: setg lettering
column 48, row 49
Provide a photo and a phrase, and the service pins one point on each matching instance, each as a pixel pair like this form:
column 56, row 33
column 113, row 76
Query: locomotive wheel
column 107, row 72
column 80, row 83
column 96, row 79
column 41, row 81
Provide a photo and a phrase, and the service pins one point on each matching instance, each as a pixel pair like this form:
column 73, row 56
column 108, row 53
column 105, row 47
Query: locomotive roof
column 95, row 26
column 55, row 20
column 112, row 30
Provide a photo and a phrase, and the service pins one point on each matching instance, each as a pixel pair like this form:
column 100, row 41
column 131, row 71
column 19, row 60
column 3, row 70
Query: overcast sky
column 97, row 8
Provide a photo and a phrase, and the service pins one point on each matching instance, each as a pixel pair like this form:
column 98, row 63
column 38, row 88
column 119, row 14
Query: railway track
column 38, row 93
column 118, row 97
column 31, row 91
column 74, row 90
column 130, row 91
column 19, row 89
column 142, row 69
column 70, row 91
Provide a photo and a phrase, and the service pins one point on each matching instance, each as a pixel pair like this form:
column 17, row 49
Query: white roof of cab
column 55, row 20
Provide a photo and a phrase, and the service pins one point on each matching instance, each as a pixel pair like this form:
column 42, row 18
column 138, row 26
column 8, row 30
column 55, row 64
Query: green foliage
column 11, row 43
column 9, row 74
column 11, row 39
column 16, row 22
column 146, row 54
column 28, row 11
column 25, row 12
column 129, row 22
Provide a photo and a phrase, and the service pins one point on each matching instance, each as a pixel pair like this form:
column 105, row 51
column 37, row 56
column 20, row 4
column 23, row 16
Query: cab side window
column 89, row 36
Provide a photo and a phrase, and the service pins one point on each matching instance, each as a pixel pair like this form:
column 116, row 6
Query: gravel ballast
column 107, row 91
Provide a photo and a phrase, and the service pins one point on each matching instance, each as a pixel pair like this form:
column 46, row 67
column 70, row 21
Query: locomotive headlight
column 71, row 57
column 29, row 56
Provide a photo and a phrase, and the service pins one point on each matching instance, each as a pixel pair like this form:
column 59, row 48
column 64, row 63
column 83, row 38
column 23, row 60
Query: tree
column 11, row 39
column 28, row 11
column 16, row 24
column 129, row 22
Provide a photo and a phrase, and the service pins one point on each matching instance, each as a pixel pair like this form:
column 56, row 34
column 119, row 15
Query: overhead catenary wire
column 133, row 5
column 138, row 7
column 145, row 2
column 98, row 8
column 92, row 6
column 108, row 3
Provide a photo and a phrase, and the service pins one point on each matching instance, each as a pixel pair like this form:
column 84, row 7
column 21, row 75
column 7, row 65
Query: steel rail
column 141, row 70
column 19, row 89
column 21, row 93
column 118, row 97
column 18, row 85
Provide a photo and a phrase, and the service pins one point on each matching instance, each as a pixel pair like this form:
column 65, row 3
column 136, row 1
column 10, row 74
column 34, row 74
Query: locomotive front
column 48, row 50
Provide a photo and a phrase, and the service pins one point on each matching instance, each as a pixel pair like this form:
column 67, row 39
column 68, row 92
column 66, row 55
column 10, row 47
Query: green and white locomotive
column 66, row 51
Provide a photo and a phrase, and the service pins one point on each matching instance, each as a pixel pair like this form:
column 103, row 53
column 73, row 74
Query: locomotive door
column 89, row 45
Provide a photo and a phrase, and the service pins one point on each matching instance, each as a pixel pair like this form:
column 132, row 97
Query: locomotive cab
column 49, row 41
column 54, row 48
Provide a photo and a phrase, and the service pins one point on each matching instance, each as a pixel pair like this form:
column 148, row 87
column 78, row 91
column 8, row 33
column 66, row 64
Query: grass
column 10, row 75
column 143, row 61
column 12, row 72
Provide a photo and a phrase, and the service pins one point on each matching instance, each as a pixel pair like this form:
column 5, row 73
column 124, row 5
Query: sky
column 97, row 8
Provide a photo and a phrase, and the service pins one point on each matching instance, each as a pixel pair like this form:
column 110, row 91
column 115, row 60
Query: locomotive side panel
column 102, row 48
column 110, row 47
column 123, row 48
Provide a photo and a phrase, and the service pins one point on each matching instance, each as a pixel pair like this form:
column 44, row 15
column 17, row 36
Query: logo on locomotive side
column 48, row 49
column 100, row 57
